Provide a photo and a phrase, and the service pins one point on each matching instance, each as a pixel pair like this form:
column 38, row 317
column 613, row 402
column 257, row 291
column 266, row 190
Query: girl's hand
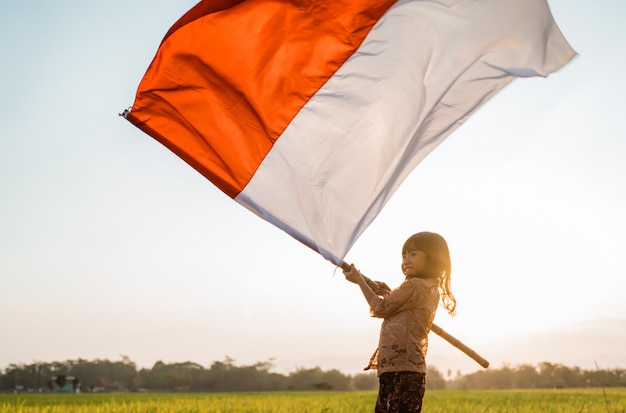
column 353, row 275
column 381, row 288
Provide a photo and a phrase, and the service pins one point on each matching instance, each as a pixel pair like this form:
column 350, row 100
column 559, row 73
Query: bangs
column 421, row 242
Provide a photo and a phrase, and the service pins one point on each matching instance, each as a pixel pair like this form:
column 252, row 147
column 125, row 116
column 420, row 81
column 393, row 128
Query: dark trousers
column 400, row 392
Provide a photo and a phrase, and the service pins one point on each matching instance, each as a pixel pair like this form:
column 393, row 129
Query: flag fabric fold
column 312, row 113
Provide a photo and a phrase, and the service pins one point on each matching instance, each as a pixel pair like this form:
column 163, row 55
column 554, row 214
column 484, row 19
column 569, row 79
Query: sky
column 110, row 245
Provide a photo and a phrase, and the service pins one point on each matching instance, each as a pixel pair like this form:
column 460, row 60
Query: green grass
column 548, row 401
column 512, row 401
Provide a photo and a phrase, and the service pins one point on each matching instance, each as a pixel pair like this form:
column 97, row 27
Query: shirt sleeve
column 402, row 298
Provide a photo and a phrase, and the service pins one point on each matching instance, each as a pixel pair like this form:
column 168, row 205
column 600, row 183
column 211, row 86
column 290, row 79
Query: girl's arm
column 353, row 275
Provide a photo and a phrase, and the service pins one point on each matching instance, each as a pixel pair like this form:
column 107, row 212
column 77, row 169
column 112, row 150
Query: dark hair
column 438, row 266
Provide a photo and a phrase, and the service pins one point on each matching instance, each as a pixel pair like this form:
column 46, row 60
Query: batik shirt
column 408, row 313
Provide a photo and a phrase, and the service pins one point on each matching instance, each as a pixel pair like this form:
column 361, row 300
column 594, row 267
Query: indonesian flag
column 311, row 113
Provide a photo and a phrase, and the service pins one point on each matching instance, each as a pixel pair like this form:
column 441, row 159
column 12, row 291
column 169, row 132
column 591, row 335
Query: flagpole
column 434, row 328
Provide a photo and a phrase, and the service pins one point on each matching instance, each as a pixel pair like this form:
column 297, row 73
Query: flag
column 311, row 113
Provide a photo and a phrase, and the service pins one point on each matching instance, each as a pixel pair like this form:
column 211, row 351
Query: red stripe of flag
column 230, row 76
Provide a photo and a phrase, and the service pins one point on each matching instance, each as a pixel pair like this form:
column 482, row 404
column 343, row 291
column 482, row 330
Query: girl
column 408, row 313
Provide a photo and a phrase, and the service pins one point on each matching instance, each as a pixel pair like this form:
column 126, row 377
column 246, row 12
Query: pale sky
column 111, row 245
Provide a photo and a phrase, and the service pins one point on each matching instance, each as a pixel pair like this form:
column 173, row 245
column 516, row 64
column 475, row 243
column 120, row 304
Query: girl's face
column 413, row 263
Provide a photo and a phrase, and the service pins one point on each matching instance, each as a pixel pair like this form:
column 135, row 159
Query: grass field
column 557, row 401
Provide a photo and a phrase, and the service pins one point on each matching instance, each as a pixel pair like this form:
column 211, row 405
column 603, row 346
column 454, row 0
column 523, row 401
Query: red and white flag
column 311, row 113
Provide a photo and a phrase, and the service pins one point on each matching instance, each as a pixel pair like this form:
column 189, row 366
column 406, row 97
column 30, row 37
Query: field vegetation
column 449, row 401
column 103, row 386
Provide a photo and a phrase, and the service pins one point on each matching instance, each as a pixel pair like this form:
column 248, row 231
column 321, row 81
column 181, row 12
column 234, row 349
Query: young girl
column 408, row 313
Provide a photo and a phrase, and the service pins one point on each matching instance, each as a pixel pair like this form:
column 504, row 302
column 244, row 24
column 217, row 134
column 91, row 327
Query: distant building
column 64, row 384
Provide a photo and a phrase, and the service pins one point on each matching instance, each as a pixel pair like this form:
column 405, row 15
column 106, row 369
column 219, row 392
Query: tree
column 304, row 379
column 365, row 381
column 434, row 379
column 526, row 377
column 336, row 380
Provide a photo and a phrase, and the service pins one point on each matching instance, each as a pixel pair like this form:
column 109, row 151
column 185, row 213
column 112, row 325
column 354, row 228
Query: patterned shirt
column 408, row 313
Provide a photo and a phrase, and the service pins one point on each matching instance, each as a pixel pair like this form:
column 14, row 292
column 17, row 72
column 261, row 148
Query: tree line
column 544, row 376
column 225, row 376
column 221, row 376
